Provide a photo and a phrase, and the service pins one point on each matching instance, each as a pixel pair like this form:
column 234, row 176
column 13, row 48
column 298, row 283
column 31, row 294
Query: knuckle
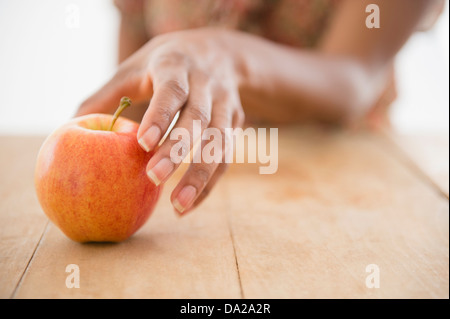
column 177, row 88
column 228, row 98
column 222, row 93
column 201, row 173
column 171, row 59
column 164, row 114
column 223, row 117
column 201, row 114
column 202, row 77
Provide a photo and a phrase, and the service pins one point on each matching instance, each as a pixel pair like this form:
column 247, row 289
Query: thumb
column 106, row 99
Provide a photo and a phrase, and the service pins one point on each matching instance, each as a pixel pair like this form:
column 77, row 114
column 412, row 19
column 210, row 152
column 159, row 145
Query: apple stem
column 124, row 103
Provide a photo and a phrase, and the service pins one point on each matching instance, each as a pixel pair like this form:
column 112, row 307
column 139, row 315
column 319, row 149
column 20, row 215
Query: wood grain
column 429, row 153
column 170, row 257
column 337, row 204
column 21, row 220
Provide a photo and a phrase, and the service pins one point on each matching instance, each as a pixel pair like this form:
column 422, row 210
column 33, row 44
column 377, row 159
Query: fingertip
column 144, row 145
column 177, row 207
column 185, row 212
column 184, row 199
column 150, row 138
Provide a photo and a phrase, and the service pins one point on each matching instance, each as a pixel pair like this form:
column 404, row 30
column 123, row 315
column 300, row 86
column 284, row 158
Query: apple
column 90, row 178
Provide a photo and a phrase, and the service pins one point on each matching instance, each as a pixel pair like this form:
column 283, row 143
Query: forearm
column 132, row 36
column 294, row 84
column 342, row 78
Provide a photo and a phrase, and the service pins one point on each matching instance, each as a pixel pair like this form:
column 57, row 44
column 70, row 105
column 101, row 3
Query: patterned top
column 298, row 23
column 291, row 22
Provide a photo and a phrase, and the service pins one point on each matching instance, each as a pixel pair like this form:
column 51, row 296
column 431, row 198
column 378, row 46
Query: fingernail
column 185, row 198
column 160, row 171
column 150, row 139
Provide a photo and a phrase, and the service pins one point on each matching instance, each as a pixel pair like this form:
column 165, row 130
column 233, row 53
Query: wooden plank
column 170, row 257
column 337, row 204
column 21, row 221
column 429, row 153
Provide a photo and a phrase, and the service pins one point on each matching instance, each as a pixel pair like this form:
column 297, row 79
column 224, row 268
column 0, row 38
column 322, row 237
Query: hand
column 194, row 72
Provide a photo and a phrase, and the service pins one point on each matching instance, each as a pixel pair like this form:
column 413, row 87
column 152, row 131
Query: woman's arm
column 341, row 80
column 132, row 32
column 205, row 73
column 132, row 36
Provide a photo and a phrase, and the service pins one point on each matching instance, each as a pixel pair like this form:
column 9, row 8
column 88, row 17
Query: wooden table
column 339, row 202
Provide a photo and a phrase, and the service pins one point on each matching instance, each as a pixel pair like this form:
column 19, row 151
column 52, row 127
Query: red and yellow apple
column 90, row 178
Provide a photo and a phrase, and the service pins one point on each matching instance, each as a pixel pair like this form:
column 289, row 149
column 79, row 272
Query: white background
column 47, row 67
